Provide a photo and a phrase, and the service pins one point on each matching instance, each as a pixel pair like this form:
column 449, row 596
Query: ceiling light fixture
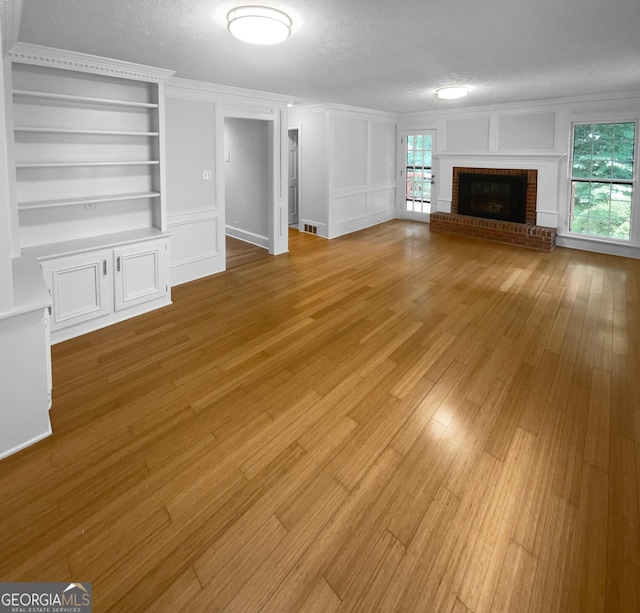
column 259, row 25
column 451, row 93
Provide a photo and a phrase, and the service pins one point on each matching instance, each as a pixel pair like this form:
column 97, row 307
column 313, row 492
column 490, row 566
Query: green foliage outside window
column 602, row 168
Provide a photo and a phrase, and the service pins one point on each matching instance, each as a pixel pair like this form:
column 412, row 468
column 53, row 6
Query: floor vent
column 310, row 229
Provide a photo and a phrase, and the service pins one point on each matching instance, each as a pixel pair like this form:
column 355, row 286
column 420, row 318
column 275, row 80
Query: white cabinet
column 94, row 289
column 81, row 288
column 140, row 274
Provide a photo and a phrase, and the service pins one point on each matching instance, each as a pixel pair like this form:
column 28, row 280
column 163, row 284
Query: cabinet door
column 140, row 273
column 80, row 286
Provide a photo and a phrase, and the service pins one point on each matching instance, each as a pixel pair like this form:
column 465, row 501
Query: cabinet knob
column 104, row 267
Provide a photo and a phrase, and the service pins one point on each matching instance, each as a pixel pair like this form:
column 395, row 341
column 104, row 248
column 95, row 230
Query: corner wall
column 348, row 171
column 195, row 217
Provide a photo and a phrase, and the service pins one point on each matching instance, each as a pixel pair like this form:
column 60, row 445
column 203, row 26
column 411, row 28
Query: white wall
column 347, row 168
column 195, row 216
column 537, row 136
column 247, row 179
column 313, row 176
column 6, row 224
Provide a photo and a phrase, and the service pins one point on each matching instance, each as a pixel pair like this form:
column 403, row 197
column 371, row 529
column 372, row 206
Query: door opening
column 248, row 188
column 418, row 168
column 294, row 217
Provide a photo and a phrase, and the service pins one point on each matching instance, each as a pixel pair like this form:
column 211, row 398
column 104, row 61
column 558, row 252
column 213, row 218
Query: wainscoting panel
column 348, row 208
column 382, row 200
column 196, row 246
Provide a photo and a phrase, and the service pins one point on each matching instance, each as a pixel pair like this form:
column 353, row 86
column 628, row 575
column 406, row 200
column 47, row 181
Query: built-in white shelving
column 86, row 245
column 89, row 188
column 47, row 204
column 85, row 132
column 88, row 154
column 72, row 164
column 82, row 99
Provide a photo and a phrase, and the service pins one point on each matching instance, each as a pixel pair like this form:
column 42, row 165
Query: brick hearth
column 524, row 235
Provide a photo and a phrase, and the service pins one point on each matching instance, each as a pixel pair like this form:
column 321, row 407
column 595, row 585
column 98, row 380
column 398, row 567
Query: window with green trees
column 602, row 175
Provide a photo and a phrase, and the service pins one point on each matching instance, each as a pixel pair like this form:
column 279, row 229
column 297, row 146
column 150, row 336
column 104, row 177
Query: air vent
column 310, row 229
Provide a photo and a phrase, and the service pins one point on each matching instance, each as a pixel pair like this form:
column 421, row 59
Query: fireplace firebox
column 491, row 196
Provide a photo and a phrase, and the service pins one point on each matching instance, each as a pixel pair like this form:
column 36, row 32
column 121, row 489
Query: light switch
column 207, row 175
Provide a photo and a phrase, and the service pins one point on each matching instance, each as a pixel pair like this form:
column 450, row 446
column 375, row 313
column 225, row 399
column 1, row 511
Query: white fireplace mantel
column 548, row 165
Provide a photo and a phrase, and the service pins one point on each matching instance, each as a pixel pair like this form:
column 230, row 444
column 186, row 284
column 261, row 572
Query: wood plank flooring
column 240, row 252
column 390, row 421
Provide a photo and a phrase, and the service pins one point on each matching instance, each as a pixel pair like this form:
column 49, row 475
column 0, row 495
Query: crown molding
column 344, row 108
column 552, row 104
column 38, row 55
column 11, row 17
column 202, row 90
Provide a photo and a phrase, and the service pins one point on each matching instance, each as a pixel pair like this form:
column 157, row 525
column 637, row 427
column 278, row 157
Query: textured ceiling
column 369, row 53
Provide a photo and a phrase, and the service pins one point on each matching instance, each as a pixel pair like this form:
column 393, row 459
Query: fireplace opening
column 502, row 197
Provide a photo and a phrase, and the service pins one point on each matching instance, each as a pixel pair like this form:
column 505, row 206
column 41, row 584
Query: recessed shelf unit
column 89, row 153
column 89, row 184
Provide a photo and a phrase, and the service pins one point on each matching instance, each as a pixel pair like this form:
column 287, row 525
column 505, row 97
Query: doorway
column 419, row 172
column 294, row 217
column 247, row 181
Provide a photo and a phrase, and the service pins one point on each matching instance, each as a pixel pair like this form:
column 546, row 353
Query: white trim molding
column 26, row 53
column 588, row 243
column 344, row 108
column 528, row 156
column 11, row 17
column 36, row 439
column 552, row 104
column 247, row 237
column 202, row 90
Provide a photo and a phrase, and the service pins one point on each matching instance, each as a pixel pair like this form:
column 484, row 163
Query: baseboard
column 33, row 441
column 247, row 237
column 596, row 246
column 115, row 317
column 196, row 268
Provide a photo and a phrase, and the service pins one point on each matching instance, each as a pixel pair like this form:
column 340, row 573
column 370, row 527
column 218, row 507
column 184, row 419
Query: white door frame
column 295, row 221
column 402, row 203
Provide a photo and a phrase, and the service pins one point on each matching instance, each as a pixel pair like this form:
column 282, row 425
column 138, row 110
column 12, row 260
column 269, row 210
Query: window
column 602, row 176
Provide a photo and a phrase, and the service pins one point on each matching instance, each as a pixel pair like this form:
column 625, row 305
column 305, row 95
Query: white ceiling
column 370, row 53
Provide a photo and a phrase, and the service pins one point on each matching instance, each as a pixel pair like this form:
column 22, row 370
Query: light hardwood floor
column 240, row 252
column 390, row 421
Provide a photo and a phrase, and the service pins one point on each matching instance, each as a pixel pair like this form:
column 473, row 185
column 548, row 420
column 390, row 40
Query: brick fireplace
column 526, row 234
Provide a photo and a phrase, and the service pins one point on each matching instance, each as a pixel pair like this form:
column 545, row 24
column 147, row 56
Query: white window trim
column 619, row 117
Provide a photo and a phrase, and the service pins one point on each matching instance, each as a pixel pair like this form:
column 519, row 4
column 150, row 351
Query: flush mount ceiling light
column 259, row 25
column 451, row 93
